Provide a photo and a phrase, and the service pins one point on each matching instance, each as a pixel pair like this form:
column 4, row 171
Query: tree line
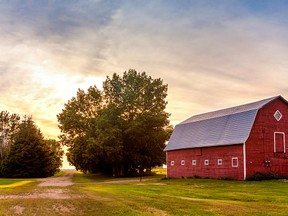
column 119, row 130
column 23, row 150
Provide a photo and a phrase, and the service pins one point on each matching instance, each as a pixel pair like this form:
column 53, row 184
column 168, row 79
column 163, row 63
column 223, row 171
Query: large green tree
column 30, row 154
column 119, row 129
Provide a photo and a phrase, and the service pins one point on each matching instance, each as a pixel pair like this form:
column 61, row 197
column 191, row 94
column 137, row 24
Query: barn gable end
column 267, row 131
column 231, row 141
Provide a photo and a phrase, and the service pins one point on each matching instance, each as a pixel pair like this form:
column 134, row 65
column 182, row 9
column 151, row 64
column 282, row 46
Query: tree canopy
column 30, row 155
column 118, row 129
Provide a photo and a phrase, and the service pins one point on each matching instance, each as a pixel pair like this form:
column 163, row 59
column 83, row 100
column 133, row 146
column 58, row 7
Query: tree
column 56, row 153
column 76, row 123
column 8, row 125
column 119, row 129
column 145, row 125
column 30, row 155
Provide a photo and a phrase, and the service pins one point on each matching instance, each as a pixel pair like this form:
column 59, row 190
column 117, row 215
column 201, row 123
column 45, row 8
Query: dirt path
column 52, row 193
column 59, row 193
column 62, row 181
column 57, row 187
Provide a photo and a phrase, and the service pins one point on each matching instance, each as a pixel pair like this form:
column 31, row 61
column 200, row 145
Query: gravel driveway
column 62, row 181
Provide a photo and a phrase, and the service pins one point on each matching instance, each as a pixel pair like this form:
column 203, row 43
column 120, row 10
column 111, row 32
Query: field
column 97, row 195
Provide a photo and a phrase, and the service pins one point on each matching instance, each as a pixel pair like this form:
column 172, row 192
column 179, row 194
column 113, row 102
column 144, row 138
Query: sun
column 52, row 89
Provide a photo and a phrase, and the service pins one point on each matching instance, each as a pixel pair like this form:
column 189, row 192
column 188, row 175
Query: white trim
column 194, row 162
column 234, row 158
column 278, row 115
column 220, row 162
column 182, row 162
column 284, row 142
column 244, row 160
column 206, row 162
column 167, row 164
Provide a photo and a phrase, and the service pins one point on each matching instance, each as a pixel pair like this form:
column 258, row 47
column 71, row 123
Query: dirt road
column 62, row 181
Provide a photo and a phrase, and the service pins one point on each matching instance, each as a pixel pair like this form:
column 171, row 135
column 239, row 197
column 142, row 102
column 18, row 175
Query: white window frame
column 206, row 162
column 194, row 162
column 182, row 162
column 284, row 142
column 234, row 158
column 172, row 163
column 220, row 162
column 276, row 115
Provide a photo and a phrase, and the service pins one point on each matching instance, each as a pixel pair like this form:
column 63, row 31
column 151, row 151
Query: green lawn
column 94, row 196
column 11, row 183
column 193, row 197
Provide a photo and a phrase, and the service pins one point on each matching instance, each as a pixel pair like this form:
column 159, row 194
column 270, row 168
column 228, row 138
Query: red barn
column 231, row 143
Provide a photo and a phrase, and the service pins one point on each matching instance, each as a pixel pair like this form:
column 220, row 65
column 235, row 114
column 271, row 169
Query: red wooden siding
column 212, row 170
column 265, row 151
column 268, row 135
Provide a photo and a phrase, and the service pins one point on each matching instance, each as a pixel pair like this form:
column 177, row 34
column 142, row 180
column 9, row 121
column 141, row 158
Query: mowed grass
column 101, row 196
column 192, row 197
column 11, row 183
column 80, row 177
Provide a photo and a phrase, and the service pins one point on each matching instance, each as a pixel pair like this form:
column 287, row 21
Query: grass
column 160, row 171
column 11, row 183
column 60, row 173
column 194, row 197
column 80, row 177
column 96, row 195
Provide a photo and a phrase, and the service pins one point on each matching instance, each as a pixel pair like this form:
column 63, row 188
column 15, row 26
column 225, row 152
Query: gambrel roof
column 223, row 127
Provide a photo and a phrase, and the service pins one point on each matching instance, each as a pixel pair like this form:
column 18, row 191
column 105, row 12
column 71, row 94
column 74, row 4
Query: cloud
column 212, row 54
column 66, row 33
column 178, row 43
column 48, row 51
column 211, row 57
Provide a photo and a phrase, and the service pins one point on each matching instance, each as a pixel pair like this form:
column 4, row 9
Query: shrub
column 259, row 176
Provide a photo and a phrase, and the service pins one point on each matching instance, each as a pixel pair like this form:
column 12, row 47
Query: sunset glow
column 212, row 54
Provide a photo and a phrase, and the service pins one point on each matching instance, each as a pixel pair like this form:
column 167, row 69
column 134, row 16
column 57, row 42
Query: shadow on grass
column 80, row 177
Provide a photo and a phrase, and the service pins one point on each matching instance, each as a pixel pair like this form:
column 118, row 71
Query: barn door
column 279, row 142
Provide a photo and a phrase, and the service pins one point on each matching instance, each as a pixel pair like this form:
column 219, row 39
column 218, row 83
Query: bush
column 258, row 176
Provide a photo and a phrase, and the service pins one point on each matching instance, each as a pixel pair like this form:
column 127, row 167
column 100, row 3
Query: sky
column 212, row 54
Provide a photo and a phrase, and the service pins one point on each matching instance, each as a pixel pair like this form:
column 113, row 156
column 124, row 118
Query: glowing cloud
column 211, row 53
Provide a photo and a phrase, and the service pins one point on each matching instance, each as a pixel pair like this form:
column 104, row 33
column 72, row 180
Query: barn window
column 277, row 115
column 194, row 162
column 206, row 162
column 219, row 161
column 279, row 142
column 172, row 163
column 235, row 162
column 182, row 162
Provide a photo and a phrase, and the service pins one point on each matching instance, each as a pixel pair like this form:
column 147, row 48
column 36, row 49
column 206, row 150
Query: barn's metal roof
column 223, row 127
